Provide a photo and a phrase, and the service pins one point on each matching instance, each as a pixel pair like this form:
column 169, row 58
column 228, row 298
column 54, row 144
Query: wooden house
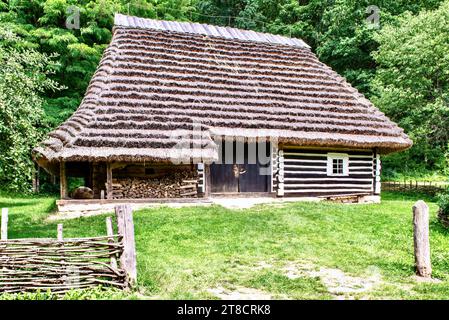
column 182, row 110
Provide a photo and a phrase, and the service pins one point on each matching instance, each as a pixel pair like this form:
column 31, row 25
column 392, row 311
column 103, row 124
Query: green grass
column 184, row 252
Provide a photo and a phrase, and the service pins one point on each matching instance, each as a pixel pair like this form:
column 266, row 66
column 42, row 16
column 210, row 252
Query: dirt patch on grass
column 240, row 293
column 337, row 282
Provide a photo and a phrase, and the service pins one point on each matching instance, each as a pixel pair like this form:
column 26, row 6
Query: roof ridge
column 206, row 29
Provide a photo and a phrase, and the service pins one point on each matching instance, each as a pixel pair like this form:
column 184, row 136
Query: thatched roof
column 158, row 76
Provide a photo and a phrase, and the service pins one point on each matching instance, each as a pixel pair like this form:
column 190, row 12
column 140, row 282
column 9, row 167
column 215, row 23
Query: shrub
column 443, row 203
column 97, row 293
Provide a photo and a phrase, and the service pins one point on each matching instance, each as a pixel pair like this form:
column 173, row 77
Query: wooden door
column 239, row 177
column 223, row 179
column 251, row 179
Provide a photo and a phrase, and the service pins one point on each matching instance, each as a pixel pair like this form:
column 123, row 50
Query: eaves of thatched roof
column 161, row 77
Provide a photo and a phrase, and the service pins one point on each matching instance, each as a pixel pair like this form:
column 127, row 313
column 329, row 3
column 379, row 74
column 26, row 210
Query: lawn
column 294, row 251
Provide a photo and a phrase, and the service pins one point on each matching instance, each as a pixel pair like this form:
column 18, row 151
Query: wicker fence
column 64, row 264
column 429, row 187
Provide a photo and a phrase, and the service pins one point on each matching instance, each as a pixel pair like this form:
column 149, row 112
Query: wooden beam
column 63, row 180
column 36, row 174
column 421, row 239
column 60, row 232
column 125, row 226
column 207, row 180
column 280, row 173
column 377, row 183
column 4, row 225
column 110, row 232
column 108, row 181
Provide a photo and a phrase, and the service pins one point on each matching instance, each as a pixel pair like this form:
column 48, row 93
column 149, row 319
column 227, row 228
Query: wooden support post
column 4, row 227
column 207, row 181
column 108, row 181
column 60, row 232
column 36, row 174
column 126, row 229
column 110, row 233
column 377, row 183
column 63, row 180
column 421, row 239
column 280, row 175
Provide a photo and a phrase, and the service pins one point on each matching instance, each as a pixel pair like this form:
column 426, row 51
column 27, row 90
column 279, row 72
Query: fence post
column 421, row 239
column 60, row 232
column 110, row 232
column 125, row 226
column 4, row 227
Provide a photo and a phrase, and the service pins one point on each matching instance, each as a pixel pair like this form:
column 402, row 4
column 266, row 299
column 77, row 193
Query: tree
column 412, row 84
column 23, row 77
column 335, row 29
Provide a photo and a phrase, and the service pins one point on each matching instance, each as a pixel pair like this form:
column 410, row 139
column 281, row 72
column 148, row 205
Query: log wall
column 302, row 172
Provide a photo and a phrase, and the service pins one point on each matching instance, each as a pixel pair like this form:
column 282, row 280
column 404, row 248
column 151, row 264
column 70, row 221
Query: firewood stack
column 172, row 185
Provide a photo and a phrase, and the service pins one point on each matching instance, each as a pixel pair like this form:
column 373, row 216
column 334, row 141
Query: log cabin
column 187, row 110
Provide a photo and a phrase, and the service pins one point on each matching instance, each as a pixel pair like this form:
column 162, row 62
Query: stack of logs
column 172, row 185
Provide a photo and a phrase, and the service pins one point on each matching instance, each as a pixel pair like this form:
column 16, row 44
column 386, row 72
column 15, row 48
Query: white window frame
column 337, row 156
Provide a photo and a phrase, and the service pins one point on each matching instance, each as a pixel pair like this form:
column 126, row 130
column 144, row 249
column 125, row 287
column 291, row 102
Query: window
column 337, row 164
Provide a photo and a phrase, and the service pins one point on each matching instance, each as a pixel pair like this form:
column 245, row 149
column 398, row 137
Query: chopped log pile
column 176, row 184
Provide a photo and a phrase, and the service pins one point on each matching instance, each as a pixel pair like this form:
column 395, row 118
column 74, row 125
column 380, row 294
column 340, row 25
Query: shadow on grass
column 407, row 196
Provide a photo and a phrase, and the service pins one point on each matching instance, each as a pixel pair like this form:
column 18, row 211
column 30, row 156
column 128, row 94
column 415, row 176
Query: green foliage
column 23, row 77
column 30, row 105
column 336, row 29
column 412, row 85
column 97, row 293
column 402, row 66
column 443, row 202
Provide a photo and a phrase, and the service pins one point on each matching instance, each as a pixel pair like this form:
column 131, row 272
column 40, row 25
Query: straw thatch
column 157, row 77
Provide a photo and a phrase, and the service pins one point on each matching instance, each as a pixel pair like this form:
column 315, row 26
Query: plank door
column 223, row 179
column 239, row 177
column 251, row 179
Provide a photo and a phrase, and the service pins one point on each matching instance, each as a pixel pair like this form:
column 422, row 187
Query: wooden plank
column 4, row 226
column 60, row 232
column 125, row 226
column 296, row 160
column 63, row 180
column 330, row 186
column 109, row 189
column 307, row 172
column 377, row 184
column 421, row 239
column 295, row 166
column 110, row 233
column 281, row 173
column 321, row 191
column 346, row 179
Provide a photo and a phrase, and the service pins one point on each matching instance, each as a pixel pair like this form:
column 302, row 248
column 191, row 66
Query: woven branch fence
column 429, row 187
column 64, row 264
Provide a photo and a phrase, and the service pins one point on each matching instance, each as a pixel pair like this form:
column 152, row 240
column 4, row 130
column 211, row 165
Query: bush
column 443, row 203
column 97, row 293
